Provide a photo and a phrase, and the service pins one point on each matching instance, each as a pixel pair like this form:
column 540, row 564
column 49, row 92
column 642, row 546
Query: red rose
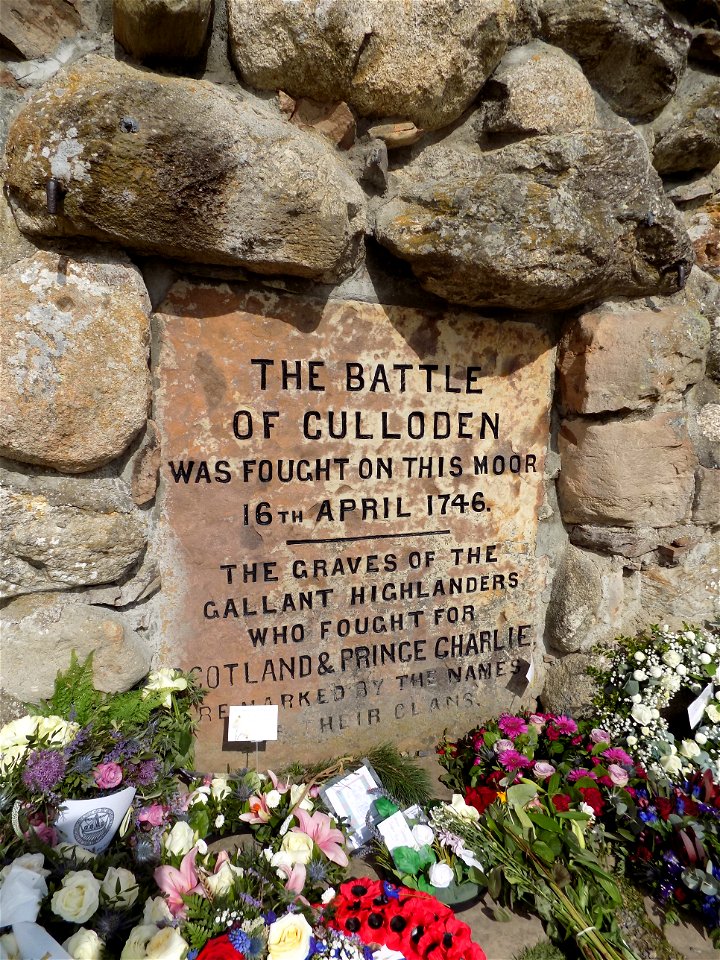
column 219, row 948
column 593, row 798
column 552, row 733
column 664, row 806
column 480, row 797
column 561, row 802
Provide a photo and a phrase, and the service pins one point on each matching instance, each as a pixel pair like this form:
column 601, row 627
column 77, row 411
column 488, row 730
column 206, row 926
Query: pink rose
column 107, row 775
column 618, row 776
column 537, row 720
column 44, row 833
column 543, row 770
column 599, row 736
column 154, row 815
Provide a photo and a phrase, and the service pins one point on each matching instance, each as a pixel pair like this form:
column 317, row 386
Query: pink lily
column 295, row 874
column 318, row 828
column 278, row 785
column 259, row 810
column 175, row 883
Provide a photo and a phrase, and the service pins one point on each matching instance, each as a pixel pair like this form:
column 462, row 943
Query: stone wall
column 530, row 160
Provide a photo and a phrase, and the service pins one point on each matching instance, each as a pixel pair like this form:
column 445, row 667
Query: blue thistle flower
column 317, row 871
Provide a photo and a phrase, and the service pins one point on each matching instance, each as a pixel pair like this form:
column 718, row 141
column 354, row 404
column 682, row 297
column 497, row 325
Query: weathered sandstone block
column 182, row 168
column 538, row 89
column 40, row 633
column 688, row 592
column 626, row 473
column 632, row 52
column 74, row 375
column 422, row 60
column 628, row 355
column 706, row 507
column 687, row 132
column 549, row 222
column 58, row 533
column 162, row 29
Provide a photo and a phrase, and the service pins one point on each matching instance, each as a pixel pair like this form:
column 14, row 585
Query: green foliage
column 74, row 694
column 542, row 950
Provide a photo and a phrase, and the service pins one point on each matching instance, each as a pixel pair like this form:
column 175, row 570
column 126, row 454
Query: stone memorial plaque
column 350, row 496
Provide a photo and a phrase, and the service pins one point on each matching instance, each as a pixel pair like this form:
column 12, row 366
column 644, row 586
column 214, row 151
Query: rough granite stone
column 687, row 132
column 41, row 632
column 706, row 506
column 538, row 89
column 161, row 29
column 183, row 168
column 422, row 60
column 626, row 473
column 13, row 245
column 61, row 532
column 629, row 49
column 35, row 27
column 626, row 356
column 146, row 466
column 548, row 222
column 637, row 545
column 333, row 120
column 702, row 406
column 587, row 603
column 687, row 592
column 568, row 687
column 64, row 319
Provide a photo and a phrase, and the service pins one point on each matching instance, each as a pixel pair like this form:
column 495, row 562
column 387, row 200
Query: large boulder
column 161, row 29
column 548, row 222
column 537, row 88
column 41, row 632
column 687, row 132
column 626, row 473
column 35, row 27
column 59, row 532
column 627, row 355
column 183, row 168
column 629, row 49
column 417, row 60
column 64, row 319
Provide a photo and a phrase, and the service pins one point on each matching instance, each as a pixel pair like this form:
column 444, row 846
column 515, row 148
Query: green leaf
column 385, row 808
column 543, row 851
column 542, row 820
column 407, row 860
column 426, row 856
column 521, row 794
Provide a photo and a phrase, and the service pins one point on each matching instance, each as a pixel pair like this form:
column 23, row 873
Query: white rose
column 632, row 741
column 640, row 675
column 441, row 875
column 671, row 764
column 156, row 911
column 9, row 947
column 641, row 714
column 220, row 884
column 710, row 647
column 422, row 834
column 165, row 679
column 181, row 839
column 681, row 670
column 219, row 788
column 34, row 862
column 701, row 738
column 120, row 886
column 328, row 895
column 655, row 672
column 298, row 846
column 713, row 712
column 671, row 658
column 296, row 791
column 84, row 945
column 78, row 898
column 689, row 634
column 167, row 944
column 70, row 851
column 636, row 698
column 18, row 732
column 655, row 713
column 134, row 948
column 704, row 658
column 289, row 937
column 273, row 798
column 462, row 809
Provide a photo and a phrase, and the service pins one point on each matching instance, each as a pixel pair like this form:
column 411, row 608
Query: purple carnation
column 512, row 726
column 617, row 755
column 513, row 760
column 577, row 773
column 565, row 725
column 44, row 770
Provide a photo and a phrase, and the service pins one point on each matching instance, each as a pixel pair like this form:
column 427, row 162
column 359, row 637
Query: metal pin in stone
column 129, row 125
column 650, row 218
column 682, row 275
column 53, row 192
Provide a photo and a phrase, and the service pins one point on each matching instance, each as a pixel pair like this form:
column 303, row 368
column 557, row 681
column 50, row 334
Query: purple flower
column 512, row 760
column 577, row 773
column 512, row 726
column 617, row 755
column 565, row 724
column 146, row 773
column 44, row 770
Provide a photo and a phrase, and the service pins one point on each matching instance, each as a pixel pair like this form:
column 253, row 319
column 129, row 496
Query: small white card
column 396, row 832
column 350, row 797
column 697, row 707
column 253, row 724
